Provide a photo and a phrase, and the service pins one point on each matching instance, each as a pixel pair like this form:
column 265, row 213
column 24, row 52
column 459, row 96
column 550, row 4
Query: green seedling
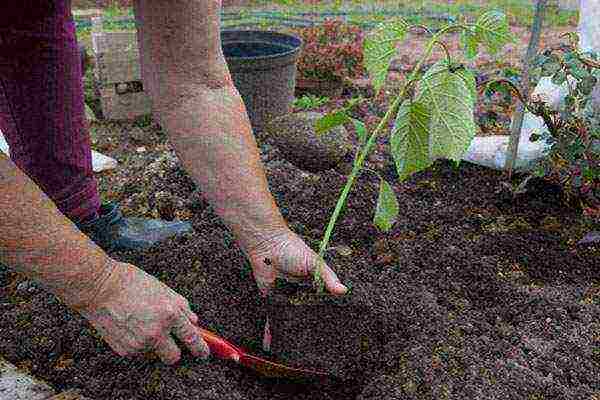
column 433, row 112
column 310, row 102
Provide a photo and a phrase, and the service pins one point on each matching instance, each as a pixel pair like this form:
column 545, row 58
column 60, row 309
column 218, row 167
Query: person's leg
column 42, row 110
column 43, row 119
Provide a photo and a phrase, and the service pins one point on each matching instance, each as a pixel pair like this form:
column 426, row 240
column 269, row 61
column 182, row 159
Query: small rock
column 343, row 250
column 122, row 88
column 590, row 238
column 295, row 137
column 364, row 86
column 137, row 134
column 27, row 287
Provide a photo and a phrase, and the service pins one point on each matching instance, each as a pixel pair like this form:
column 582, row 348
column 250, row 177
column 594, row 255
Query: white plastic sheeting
column 490, row 151
column 100, row 162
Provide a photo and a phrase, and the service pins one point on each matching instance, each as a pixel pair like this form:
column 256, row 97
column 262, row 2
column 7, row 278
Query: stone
column 27, row 287
column 19, row 385
column 590, row 238
column 295, row 137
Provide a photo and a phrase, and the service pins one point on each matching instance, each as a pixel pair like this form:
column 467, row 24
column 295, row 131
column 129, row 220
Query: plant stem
column 517, row 123
column 365, row 151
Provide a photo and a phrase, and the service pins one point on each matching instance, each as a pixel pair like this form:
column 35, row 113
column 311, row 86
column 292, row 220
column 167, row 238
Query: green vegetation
column 433, row 113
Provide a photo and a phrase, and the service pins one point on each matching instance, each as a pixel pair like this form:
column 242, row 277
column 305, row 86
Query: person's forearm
column 213, row 138
column 41, row 243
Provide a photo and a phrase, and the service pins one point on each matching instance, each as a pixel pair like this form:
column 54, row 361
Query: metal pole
column 517, row 122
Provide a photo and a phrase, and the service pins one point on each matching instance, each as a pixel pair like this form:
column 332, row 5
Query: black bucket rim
column 293, row 50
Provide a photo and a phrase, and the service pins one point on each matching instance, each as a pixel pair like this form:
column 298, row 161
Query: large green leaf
column 387, row 207
column 470, row 42
column 330, row 121
column 493, row 31
column 380, row 48
column 450, row 98
column 410, row 139
column 361, row 130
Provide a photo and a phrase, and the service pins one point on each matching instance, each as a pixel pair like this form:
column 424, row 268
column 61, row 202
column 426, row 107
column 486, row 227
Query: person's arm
column 133, row 311
column 204, row 115
column 40, row 242
column 195, row 101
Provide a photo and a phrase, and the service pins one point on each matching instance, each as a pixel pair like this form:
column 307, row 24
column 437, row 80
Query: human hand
column 287, row 256
column 136, row 313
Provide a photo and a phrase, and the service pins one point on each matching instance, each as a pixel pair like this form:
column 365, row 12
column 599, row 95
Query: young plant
column 310, row 102
column 573, row 130
column 433, row 114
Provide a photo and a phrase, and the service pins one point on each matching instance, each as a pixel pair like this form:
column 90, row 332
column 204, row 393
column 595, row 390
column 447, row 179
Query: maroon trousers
column 42, row 105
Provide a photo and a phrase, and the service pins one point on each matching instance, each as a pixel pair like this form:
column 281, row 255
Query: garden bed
column 473, row 294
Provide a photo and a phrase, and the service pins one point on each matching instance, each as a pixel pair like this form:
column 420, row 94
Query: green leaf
column 559, row 77
column 551, row 65
column 410, row 139
column 330, row 121
column 587, row 84
column 493, row 31
column 387, row 207
column 380, row 48
column 89, row 113
column 468, row 40
column 450, row 98
column 361, row 130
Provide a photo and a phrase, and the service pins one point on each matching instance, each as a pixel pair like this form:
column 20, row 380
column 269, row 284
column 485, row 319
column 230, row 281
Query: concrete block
column 125, row 106
column 118, row 66
column 109, row 42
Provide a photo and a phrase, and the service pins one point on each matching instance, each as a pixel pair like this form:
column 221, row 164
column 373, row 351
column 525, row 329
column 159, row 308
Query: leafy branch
column 434, row 122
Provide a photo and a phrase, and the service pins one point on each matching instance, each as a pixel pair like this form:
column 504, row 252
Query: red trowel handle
column 220, row 347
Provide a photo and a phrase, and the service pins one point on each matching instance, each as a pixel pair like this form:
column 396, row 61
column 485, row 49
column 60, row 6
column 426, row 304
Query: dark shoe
column 111, row 231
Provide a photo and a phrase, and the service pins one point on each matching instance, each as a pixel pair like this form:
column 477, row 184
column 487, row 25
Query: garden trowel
column 227, row 351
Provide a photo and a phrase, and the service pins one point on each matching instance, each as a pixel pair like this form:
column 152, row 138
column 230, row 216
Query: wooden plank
column 19, row 385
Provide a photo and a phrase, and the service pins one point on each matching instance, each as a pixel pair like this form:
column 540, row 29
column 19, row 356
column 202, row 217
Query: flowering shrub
column 573, row 133
column 332, row 51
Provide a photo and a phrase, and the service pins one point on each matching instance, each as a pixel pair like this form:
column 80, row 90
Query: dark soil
column 472, row 295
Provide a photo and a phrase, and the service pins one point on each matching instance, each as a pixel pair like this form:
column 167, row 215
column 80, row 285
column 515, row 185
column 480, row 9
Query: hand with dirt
column 286, row 256
column 134, row 313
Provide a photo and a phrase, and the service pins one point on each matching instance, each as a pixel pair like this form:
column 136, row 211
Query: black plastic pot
column 263, row 67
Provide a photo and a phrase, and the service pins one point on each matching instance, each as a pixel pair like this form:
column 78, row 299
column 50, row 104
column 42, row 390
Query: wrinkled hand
column 136, row 313
column 289, row 258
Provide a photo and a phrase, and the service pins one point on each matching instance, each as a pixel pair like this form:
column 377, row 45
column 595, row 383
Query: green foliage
column 380, row 48
column 387, row 207
column 410, row 139
column 361, row 130
column 573, row 134
column 434, row 121
column 309, row 102
column 330, row 121
column 331, row 51
column 490, row 30
column 573, row 131
column 449, row 95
